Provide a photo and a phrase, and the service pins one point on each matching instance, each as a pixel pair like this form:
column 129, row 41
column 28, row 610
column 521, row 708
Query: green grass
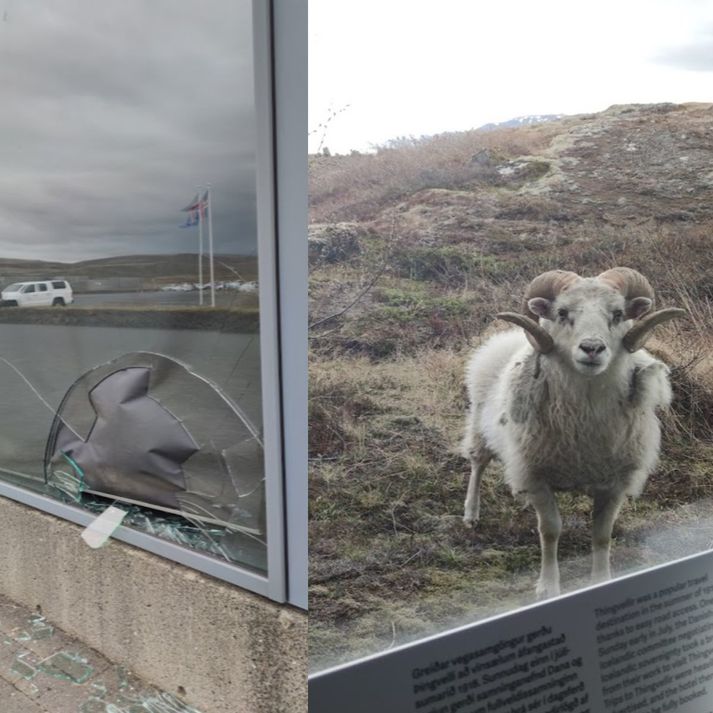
column 234, row 319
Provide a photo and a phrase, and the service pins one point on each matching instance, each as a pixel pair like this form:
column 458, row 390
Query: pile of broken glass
column 169, row 447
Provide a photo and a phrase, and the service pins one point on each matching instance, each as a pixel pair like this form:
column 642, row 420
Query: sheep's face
column 588, row 322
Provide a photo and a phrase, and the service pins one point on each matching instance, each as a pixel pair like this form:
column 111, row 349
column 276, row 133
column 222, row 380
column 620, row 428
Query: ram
column 570, row 404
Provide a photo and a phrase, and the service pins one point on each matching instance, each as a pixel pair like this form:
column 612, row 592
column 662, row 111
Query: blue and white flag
column 192, row 219
column 193, row 205
column 197, row 210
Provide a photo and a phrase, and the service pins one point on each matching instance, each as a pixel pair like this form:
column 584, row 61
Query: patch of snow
column 231, row 285
column 182, row 287
column 529, row 120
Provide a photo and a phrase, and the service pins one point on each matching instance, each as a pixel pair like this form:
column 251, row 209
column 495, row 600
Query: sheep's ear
column 541, row 307
column 638, row 307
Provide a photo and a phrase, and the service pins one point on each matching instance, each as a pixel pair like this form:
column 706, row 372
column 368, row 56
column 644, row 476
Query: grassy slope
column 240, row 318
column 449, row 231
column 160, row 269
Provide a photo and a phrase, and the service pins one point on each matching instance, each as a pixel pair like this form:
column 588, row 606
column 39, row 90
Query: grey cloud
column 112, row 115
column 696, row 56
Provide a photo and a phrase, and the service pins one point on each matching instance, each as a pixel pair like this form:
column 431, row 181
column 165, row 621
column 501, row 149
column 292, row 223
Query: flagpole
column 200, row 252
column 210, row 250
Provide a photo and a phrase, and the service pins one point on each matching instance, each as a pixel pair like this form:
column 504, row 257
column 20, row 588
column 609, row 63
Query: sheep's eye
column 618, row 316
column 562, row 313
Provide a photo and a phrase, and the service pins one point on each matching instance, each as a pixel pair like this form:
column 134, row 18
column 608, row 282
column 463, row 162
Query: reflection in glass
column 129, row 344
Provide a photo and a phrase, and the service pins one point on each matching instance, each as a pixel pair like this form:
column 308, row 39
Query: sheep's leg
column 479, row 459
column 549, row 524
column 606, row 507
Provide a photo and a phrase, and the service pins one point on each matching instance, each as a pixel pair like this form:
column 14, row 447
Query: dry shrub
column 356, row 187
column 338, row 398
column 690, row 418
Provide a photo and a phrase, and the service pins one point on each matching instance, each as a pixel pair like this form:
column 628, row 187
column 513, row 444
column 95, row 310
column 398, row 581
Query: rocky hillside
column 633, row 184
column 627, row 157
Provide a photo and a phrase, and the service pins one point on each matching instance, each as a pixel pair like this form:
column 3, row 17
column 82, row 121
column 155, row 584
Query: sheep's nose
column 592, row 347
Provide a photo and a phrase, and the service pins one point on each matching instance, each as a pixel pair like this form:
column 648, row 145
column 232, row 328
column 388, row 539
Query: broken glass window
column 101, row 267
column 180, row 456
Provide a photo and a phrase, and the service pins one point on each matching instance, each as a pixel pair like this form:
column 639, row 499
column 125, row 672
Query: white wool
column 555, row 428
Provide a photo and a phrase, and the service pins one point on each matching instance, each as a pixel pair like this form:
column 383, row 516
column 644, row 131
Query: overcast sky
column 419, row 67
column 112, row 114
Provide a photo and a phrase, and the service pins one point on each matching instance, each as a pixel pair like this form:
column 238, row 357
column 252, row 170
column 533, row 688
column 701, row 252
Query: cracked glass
column 129, row 315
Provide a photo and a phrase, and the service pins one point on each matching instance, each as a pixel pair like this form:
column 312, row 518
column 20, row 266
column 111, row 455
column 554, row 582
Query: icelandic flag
column 203, row 205
column 193, row 205
column 191, row 220
column 195, row 210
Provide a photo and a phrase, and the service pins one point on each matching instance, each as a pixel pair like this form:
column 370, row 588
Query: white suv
column 46, row 292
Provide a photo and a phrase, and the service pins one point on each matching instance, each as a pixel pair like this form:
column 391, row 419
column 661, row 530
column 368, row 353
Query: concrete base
column 229, row 650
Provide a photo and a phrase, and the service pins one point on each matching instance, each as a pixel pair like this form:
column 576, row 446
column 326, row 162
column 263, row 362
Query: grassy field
column 242, row 317
column 414, row 250
column 152, row 270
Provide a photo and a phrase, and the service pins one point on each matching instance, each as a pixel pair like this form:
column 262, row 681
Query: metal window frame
column 280, row 71
column 280, row 32
column 289, row 33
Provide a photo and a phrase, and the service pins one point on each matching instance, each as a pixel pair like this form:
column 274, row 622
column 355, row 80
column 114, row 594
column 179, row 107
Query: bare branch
column 368, row 286
column 361, row 294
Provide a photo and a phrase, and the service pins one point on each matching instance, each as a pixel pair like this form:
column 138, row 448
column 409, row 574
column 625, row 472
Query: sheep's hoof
column 470, row 521
column 545, row 590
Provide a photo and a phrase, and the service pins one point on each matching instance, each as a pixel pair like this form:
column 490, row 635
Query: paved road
column 223, row 298
column 147, row 298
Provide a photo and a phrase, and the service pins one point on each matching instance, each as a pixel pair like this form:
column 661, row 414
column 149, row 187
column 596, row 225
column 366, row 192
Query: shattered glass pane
column 22, row 668
column 66, row 666
column 99, row 690
column 68, row 481
column 171, row 447
column 123, row 676
column 93, row 705
column 144, row 430
column 156, row 703
column 37, row 628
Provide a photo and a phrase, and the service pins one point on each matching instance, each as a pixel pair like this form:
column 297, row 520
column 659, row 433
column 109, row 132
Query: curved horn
column 633, row 284
column 629, row 282
column 636, row 337
column 537, row 336
column 548, row 285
